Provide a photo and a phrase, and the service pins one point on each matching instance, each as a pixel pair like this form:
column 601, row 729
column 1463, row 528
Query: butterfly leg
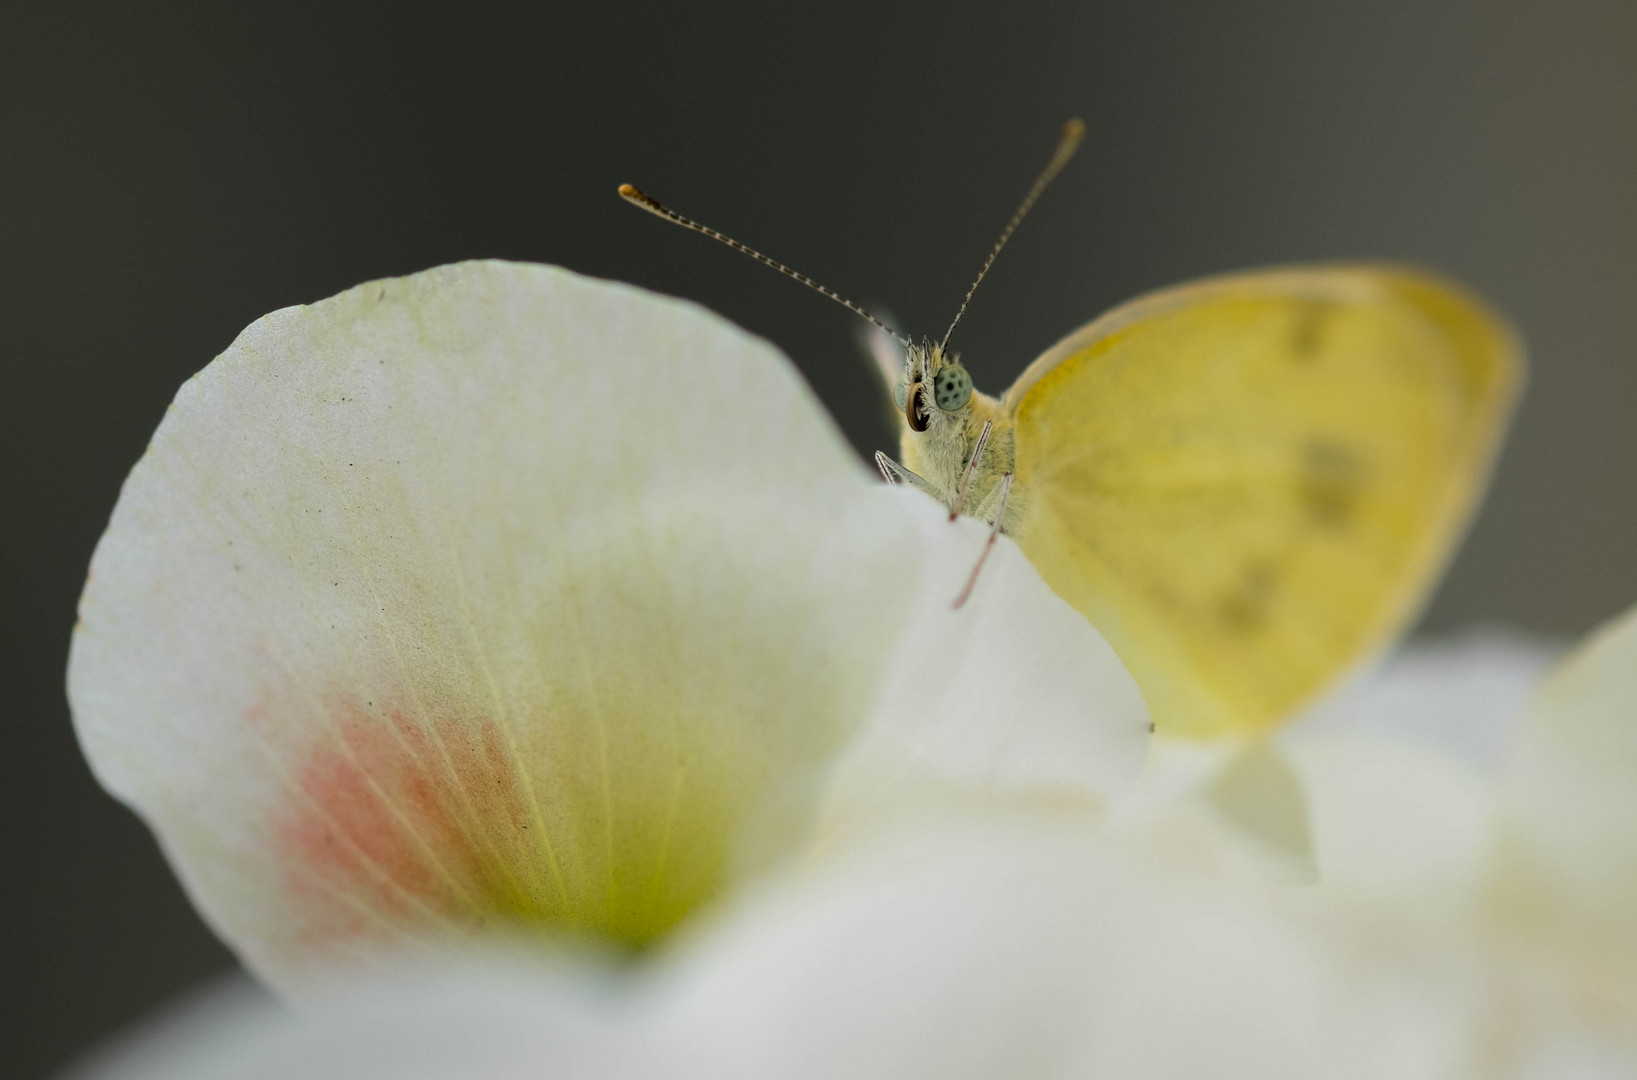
column 971, row 470
column 1005, row 489
column 895, row 473
column 989, row 509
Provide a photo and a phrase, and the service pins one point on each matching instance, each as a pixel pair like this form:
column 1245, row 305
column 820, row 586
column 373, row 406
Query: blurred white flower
column 1033, row 943
column 1479, row 836
column 498, row 598
column 495, row 599
column 1563, row 883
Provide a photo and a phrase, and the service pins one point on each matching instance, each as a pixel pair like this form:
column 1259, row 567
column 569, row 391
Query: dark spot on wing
column 1329, row 483
column 1164, row 595
column 1307, row 329
column 1243, row 608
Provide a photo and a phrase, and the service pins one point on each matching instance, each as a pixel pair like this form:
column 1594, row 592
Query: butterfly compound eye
column 951, row 387
column 914, row 415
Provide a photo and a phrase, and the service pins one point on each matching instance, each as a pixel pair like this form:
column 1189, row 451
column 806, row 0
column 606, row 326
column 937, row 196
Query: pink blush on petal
column 396, row 826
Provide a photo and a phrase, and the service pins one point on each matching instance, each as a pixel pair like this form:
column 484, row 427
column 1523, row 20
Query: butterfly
column 1247, row 483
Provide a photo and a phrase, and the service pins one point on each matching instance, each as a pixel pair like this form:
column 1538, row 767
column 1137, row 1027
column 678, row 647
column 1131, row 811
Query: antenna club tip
column 1074, row 126
column 629, row 191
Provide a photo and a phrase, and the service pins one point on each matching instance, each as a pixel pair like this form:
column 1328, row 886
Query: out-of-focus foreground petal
column 470, row 1022
column 496, row 595
column 983, row 947
column 1457, row 795
column 1009, row 947
column 1461, row 694
column 1566, row 873
column 1397, row 770
column 1385, row 786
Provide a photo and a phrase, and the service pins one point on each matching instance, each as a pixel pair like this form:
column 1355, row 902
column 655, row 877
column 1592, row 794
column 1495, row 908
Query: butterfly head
column 932, row 387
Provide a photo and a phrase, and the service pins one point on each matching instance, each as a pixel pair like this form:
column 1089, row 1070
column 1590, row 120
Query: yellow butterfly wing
column 1249, row 482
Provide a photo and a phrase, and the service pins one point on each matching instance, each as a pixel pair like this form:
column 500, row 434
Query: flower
column 498, row 598
column 1029, row 943
column 495, row 604
column 1563, row 881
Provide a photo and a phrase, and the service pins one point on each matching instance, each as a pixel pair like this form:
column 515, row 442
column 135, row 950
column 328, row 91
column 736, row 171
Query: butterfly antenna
column 1066, row 146
column 637, row 198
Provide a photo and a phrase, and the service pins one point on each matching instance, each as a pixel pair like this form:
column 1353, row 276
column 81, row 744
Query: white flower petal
column 1382, row 789
column 1396, row 823
column 497, row 595
column 490, row 593
column 493, row 1022
column 185, row 1033
column 1459, row 694
column 979, row 701
column 994, row 947
column 985, row 947
column 1568, row 868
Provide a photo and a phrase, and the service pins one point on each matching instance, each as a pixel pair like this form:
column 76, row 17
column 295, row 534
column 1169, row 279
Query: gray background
column 169, row 172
